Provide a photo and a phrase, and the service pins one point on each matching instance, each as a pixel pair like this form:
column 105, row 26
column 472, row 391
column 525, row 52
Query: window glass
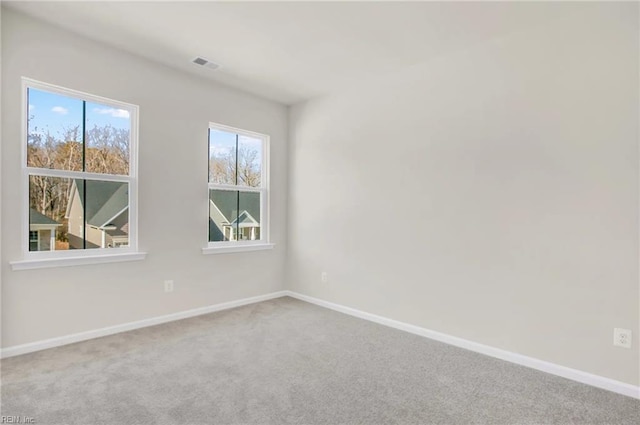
column 70, row 139
column 237, row 189
column 33, row 240
column 222, row 157
column 107, row 139
column 249, row 161
column 54, row 131
column 248, row 221
column 49, row 213
column 223, row 214
column 107, row 213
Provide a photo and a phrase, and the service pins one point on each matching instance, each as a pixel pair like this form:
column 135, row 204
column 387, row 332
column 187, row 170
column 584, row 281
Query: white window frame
column 43, row 259
column 222, row 247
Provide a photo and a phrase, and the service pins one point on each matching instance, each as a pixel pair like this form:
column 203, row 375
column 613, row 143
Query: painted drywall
column 491, row 195
column 175, row 110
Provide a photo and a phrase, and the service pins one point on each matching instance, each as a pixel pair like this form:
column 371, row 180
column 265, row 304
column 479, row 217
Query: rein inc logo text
column 17, row 420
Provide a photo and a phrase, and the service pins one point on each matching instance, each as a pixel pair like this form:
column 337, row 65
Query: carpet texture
column 285, row 361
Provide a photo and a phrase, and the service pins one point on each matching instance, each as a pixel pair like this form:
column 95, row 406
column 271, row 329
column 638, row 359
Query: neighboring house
column 225, row 224
column 42, row 231
column 106, row 208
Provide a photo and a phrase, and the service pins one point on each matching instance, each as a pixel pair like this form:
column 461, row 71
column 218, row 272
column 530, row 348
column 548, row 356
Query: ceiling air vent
column 204, row 62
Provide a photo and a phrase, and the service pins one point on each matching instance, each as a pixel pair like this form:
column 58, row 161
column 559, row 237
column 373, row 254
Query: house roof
column 37, row 218
column 105, row 200
column 228, row 202
column 245, row 220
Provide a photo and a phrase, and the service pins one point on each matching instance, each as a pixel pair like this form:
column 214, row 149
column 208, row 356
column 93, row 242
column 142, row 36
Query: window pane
column 106, row 212
column 54, row 131
column 223, row 212
column 107, row 143
column 49, row 215
column 34, row 240
column 249, row 161
column 222, row 157
column 58, row 207
column 248, row 222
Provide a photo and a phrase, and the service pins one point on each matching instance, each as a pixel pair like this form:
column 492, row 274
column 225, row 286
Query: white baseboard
column 544, row 366
column 83, row 336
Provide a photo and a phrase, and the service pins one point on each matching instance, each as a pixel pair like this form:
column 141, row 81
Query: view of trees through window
column 71, row 134
column 234, row 159
column 235, row 172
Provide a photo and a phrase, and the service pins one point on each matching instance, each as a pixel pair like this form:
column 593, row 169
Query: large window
column 238, row 188
column 79, row 173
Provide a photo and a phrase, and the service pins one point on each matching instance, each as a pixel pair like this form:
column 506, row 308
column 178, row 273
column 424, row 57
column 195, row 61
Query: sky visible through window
column 224, row 163
column 54, row 113
column 223, row 143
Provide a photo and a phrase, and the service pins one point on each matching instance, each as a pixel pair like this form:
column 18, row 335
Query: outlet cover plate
column 622, row 337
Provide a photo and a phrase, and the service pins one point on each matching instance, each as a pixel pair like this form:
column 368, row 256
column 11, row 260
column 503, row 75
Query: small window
column 80, row 174
column 33, row 240
column 238, row 189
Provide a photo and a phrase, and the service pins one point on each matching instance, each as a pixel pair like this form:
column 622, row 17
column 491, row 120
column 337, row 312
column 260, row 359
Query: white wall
column 175, row 110
column 491, row 194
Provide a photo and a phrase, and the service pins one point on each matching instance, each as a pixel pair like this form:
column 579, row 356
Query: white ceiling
column 289, row 52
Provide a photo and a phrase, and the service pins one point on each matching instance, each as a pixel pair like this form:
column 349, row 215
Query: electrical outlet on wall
column 168, row 286
column 323, row 277
column 622, row 337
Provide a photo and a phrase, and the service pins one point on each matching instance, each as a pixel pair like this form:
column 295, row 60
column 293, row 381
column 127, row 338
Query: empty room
column 320, row 212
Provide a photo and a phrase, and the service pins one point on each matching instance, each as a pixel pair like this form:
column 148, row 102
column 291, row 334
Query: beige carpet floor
column 289, row 362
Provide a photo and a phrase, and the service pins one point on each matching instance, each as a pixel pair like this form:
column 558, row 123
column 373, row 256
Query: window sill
column 43, row 263
column 227, row 249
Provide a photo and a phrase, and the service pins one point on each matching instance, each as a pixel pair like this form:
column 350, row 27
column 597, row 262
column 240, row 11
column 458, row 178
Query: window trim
column 39, row 259
column 264, row 243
